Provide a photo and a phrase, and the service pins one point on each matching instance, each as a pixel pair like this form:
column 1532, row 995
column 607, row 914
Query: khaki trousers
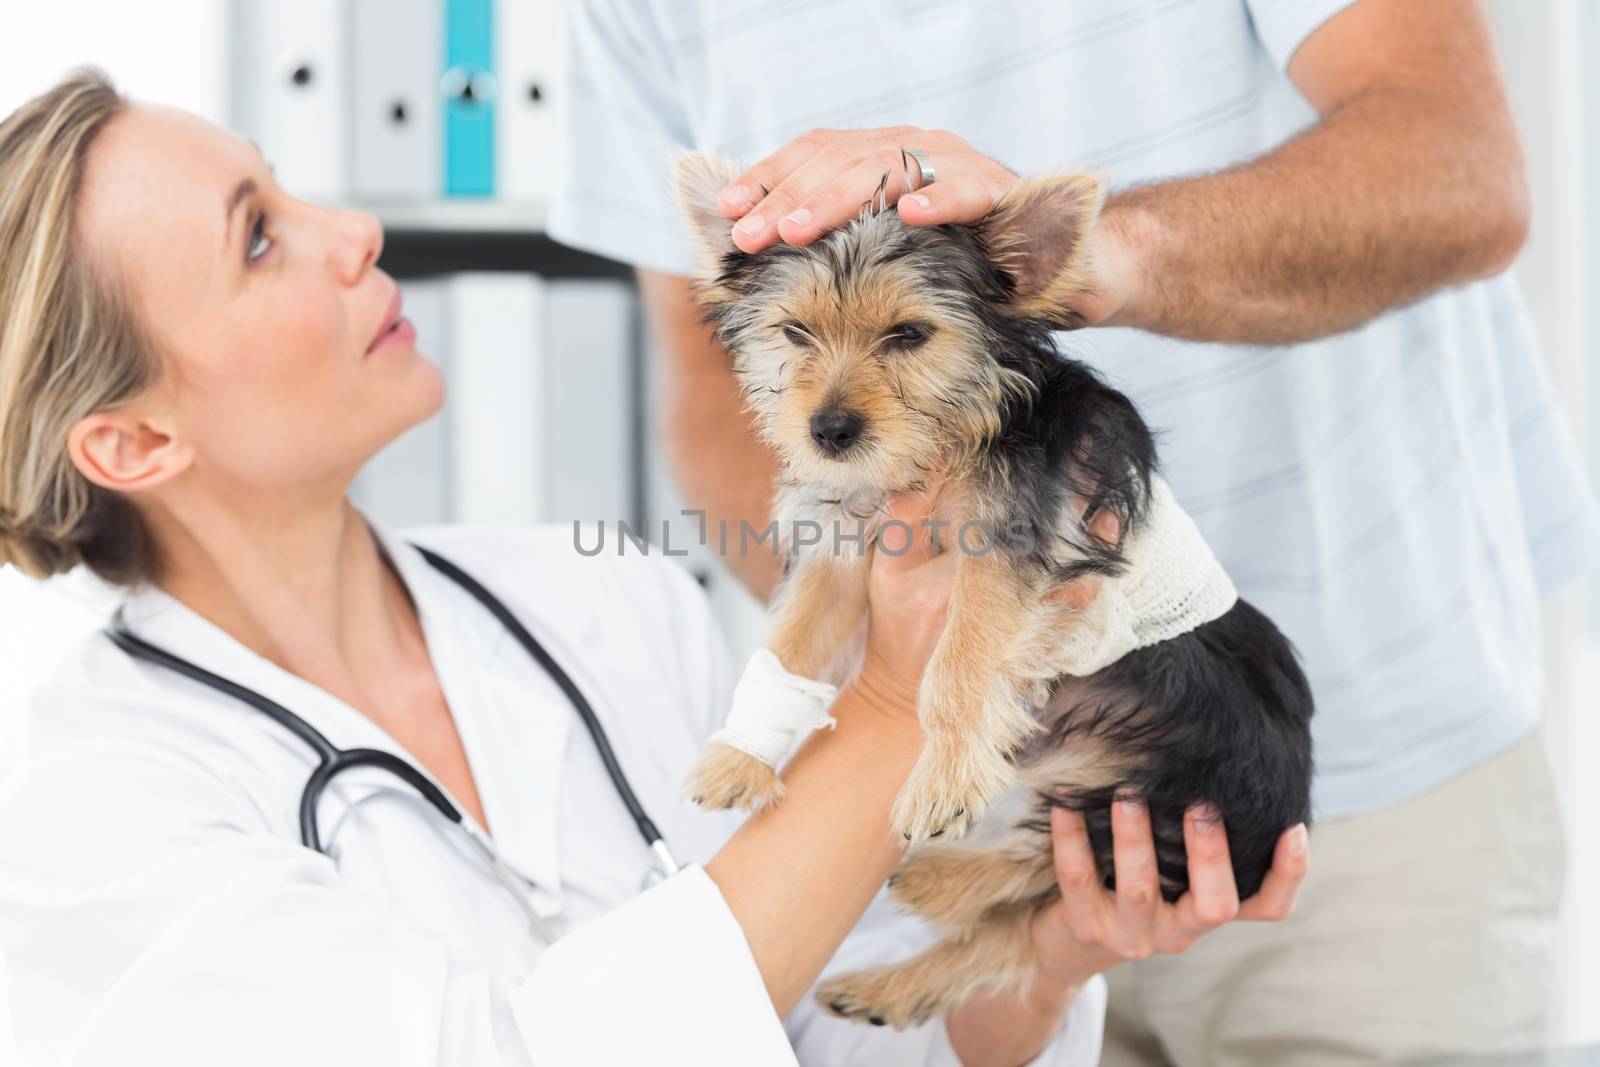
column 1421, row 931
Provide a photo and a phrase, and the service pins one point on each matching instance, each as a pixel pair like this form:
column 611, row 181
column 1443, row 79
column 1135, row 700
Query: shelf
column 473, row 214
column 429, row 238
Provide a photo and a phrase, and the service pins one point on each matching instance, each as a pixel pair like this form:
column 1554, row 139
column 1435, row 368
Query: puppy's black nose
column 835, row 430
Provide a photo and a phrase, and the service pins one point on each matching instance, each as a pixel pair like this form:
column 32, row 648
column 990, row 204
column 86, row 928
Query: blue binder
column 470, row 89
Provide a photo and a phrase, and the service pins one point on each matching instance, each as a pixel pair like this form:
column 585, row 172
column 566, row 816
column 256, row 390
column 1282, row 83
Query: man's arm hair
column 1412, row 180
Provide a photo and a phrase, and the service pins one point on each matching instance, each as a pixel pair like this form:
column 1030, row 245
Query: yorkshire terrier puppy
column 883, row 357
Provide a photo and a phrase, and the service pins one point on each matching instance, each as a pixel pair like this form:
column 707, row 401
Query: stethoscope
column 331, row 761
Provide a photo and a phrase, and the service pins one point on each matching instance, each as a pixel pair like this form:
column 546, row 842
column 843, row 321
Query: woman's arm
column 799, row 875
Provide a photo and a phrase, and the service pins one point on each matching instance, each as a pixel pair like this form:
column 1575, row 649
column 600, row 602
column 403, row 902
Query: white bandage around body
column 772, row 708
column 1172, row 584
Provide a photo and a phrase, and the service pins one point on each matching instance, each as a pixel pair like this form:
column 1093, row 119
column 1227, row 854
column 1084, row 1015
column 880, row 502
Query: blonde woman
column 193, row 367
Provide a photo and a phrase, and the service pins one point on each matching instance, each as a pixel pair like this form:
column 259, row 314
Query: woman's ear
column 121, row 451
column 1039, row 232
column 699, row 177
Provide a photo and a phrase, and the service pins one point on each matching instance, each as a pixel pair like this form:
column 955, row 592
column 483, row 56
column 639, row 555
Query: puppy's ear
column 1039, row 231
column 698, row 178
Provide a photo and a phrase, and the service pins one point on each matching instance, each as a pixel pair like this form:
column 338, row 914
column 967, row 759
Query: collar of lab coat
column 471, row 653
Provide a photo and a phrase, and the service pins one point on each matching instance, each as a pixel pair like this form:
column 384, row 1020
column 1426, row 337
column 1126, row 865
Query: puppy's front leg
column 819, row 605
column 818, row 609
column 971, row 711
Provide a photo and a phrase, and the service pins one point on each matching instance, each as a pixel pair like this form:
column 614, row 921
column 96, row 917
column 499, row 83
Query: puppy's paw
column 727, row 777
column 948, row 791
column 930, row 805
column 883, row 996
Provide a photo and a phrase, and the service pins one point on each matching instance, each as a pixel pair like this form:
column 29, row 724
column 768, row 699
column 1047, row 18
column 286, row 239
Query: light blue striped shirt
column 1396, row 497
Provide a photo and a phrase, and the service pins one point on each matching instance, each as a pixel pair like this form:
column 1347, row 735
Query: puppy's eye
column 907, row 335
column 795, row 333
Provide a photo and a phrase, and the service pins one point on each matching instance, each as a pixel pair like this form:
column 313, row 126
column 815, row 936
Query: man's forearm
column 1378, row 205
column 1007, row 1029
column 716, row 455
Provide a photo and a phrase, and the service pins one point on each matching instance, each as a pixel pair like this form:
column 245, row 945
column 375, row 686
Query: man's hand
column 1090, row 929
column 820, row 180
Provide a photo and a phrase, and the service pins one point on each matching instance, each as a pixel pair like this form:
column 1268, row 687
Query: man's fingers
column 1106, row 526
column 747, row 190
column 1213, row 897
column 1138, row 881
column 957, row 198
column 841, row 199
column 1290, row 861
column 1076, row 874
column 759, row 227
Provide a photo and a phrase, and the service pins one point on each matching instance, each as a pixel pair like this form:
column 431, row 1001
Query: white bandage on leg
column 1172, row 584
column 772, row 708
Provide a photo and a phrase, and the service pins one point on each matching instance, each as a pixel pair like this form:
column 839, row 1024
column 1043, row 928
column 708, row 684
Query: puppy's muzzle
column 836, row 430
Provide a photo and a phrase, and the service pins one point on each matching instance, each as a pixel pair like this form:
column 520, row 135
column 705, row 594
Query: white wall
column 1549, row 49
column 166, row 51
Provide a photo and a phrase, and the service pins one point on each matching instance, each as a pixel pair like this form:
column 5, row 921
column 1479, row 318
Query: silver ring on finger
column 925, row 168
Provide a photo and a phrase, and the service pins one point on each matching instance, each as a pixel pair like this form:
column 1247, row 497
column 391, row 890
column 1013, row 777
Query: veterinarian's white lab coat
column 157, row 907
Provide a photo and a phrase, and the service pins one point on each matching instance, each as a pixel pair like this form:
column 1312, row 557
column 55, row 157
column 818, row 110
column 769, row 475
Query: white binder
column 408, row 483
column 527, row 54
column 591, row 430
column 290, row 89
column 497, row 398
column 395, row 109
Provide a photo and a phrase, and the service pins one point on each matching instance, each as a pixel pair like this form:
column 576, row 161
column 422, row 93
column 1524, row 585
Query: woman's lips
column 391, row 321
column 401, row 333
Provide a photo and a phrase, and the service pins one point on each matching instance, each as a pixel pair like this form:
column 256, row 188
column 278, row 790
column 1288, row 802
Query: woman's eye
column 796, row 334
column 257, row 238
column 907, row 335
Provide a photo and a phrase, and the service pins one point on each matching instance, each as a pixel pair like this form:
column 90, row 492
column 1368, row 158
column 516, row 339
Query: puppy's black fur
column 1220, row 714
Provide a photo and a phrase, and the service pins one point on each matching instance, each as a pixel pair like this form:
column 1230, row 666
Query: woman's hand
column 908, row 601
column 1090, row 929
column 820, row 179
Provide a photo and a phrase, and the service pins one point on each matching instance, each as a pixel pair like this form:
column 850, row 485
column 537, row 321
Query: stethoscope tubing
column 331, row 760
column 580, row 703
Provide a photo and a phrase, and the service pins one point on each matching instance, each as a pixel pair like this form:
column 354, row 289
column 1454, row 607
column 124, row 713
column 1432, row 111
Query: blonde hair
column 70, row 344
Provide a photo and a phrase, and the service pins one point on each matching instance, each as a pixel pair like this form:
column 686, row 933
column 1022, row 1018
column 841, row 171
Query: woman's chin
column 422, row 382
column 435, row 392
column 408, row 400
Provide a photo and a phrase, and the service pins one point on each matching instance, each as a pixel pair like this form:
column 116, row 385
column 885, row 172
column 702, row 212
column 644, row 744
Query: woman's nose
column 359, row 244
